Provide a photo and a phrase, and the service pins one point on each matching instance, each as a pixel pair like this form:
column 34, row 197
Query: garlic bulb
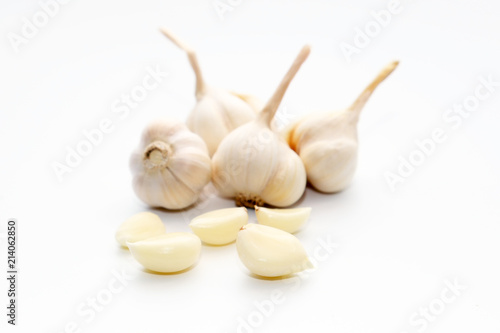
column 217, row 112
column 220, row 226
column 167, row 253
column 328, row 143
column 138, row 227
column 290, row 220
column 271, row 252
column 254, row 165
column 170, row 167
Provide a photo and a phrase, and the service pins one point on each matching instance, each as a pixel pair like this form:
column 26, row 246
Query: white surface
column 395, row 249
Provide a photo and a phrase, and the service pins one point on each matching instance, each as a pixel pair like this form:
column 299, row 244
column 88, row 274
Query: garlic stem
column 360, row 102
column 156, row 155
column 193, row 60
column 272, row 105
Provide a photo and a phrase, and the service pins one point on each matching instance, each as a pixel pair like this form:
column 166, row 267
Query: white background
column 395, row 249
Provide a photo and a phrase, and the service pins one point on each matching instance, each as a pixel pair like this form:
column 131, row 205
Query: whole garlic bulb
column 328, row 143
column 254, row 165
column 217, row 111
column 171, row 166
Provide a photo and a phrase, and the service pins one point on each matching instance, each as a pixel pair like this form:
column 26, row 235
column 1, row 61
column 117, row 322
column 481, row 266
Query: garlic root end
column 248, row 200
column 156, row 155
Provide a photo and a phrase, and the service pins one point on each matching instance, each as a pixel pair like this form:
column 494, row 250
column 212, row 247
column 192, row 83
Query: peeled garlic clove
column 254, row 165
column 271, row 252
column 171, row 166
column 220, row 226
column 289, row 220
column 167, row 253
column 138, row 227
column 328, row 143
column 217, row 111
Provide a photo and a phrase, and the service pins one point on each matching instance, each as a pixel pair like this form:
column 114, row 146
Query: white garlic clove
column 138, row 227
column 290, row 220
column 328, row 143
column 271, row 252
column 167, row 253
column 217, row 111
column 254, row 165
column 171, row 166
column 220, row 226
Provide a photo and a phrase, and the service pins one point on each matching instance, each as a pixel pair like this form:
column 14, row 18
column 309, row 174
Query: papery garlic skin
column 290, row 220
column 217, row 111
column 255, row 103
column 167, row 253
column 328, row 146
column 138, row 227
column 254, row 165
column 219, row 227
column 271, row 252
column 171, row 166
column 328, row 143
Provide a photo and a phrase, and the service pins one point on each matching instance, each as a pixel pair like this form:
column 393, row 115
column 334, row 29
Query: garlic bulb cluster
column 171, row 166
column 217, row 111
column 328, row 143
column 271, row 252
column 255, row 165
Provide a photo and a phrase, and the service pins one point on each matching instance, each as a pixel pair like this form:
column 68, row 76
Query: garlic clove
column 271, row 252
column 330, row 164
column 290, row 220
column 138, row 227
column 171, row 166
column 254, row 165
column 220, row 226
column 328, row 143
column 217, row 111
column 167, row 253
